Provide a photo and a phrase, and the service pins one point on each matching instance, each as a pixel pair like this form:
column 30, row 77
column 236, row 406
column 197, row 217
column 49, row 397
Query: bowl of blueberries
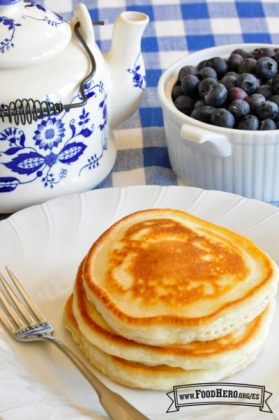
column 221, row 117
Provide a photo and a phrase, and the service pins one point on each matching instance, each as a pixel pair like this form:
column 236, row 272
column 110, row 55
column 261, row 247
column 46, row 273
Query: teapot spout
column 126, row 70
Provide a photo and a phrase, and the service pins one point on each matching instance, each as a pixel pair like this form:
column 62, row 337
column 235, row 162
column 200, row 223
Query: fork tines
column 27, row 317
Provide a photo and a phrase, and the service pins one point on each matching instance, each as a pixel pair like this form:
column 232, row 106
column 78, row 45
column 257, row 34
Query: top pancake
column 164, row 276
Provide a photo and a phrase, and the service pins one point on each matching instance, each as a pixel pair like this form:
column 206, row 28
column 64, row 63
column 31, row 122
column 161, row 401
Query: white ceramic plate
column 43, row 245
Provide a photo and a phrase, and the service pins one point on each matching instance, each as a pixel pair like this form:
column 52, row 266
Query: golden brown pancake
column 163, row 276
column 234, row 348
column 139, row 375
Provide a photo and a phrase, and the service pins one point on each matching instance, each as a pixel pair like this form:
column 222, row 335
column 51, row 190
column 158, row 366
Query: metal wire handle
column 27, row 110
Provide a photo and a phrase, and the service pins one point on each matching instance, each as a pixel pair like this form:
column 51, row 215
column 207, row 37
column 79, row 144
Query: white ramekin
column 209, row 157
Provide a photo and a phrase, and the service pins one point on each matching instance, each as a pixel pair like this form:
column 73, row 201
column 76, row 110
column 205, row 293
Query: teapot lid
column 30, row 33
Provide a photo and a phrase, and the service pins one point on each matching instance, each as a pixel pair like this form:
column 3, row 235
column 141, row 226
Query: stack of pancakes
column 164, row 298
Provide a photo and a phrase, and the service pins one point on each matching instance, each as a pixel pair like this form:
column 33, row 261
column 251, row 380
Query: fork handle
column 116, row 407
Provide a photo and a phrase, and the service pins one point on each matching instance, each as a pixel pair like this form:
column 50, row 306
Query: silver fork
column 36, row 328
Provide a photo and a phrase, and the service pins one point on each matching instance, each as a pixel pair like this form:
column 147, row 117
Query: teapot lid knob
column 7, row 2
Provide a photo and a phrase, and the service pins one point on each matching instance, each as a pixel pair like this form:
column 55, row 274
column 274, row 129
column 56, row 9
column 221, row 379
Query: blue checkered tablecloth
column 176, row 28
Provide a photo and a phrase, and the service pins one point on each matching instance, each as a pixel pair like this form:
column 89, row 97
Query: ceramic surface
column 73, row 151
column 210, row 157
column 25, row 24
column 43, row 245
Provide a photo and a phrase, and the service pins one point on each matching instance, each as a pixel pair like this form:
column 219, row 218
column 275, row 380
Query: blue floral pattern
column 49, row 136
column 31, row 4
column 7, row 43
column 138, row 78
column 43, row 9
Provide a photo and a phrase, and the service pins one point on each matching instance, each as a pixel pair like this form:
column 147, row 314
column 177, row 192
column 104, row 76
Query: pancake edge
column 140, row 376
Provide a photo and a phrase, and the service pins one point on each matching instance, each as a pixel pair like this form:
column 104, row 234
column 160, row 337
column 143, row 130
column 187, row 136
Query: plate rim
column 66, row 199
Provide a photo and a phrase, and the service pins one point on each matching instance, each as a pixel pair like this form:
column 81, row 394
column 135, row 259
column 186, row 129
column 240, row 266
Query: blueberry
column 239, row 108
column 199, row 104
column 185, row 71
column 234, row 61
column 275, row 84
column 255, row 100
column 207, row 72
column 204, row 86
column 243, row 88
column 265, row 90
column 203, row 114
column 184, row 104
column 176, row 92
column 201, row 65
column 229, row 82
column 264, row 52
column 189, row 84
column 275, row 99
column 267, row 110
column 219, row 65
column 276, row 57
column 267, row 125
column 222, row 118
column 216, row 95
column 250, row 122
column 248, row 65
column 266, row 68
column 236, row 93
column 232, row 73
column 240, row 51
column 252, row 54
column 247, row 82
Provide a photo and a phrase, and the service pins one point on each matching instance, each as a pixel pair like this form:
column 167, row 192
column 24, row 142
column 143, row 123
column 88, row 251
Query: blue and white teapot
column 61, row 141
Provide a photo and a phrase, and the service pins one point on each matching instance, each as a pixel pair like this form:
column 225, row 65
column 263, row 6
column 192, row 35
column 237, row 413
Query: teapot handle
column 27, row 110
column 82, row 15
